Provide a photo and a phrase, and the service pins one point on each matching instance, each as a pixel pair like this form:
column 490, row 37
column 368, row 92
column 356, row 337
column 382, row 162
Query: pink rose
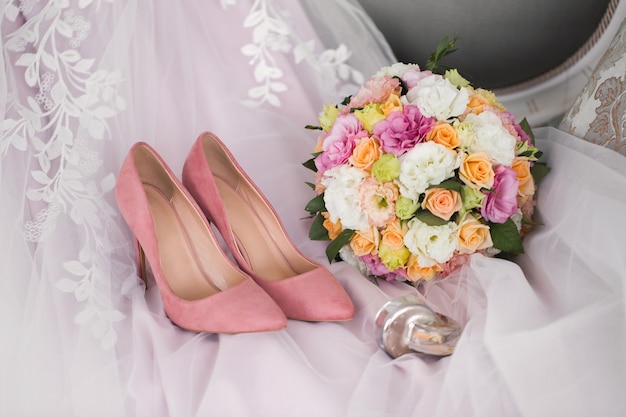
column 402, row 130
column 508, row 121
column 412, row 77
column 375, row 90
column 523, row 135
column 339, row 143
column 501, row 200
column 453, row 264
column 376, row 267
column 441, row 202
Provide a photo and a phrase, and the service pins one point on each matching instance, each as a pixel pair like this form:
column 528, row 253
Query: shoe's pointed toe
column 243, row 308
column 313, row 296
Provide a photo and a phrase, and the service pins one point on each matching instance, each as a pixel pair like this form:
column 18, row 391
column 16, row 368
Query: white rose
column 491, row 137
column 437, row 97
column 396, row 70
column 426, row 164
column 431, row 244
column 341, row 196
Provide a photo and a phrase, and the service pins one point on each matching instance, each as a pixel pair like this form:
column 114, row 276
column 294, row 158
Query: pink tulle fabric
column 81, row 336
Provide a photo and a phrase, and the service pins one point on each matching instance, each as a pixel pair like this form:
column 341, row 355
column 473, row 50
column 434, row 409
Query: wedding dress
column 84, row 80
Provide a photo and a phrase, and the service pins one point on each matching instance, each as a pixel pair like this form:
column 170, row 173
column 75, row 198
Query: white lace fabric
column 62, row 125
column 83, row 80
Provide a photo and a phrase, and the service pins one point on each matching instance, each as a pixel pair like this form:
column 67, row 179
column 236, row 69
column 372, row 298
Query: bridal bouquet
column 417, row 171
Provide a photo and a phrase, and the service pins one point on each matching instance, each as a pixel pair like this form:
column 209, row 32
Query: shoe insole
column 259, row 237
column 191, row 262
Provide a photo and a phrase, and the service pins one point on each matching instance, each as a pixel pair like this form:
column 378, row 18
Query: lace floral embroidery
column 71, row 102
column 69, row 108
column 272, row 33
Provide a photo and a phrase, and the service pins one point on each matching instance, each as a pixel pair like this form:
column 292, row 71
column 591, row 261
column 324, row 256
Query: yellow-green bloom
column 369, row 116
column 386, row 168
column 455, row 78
column 524, row 149
column 471, row 198
column 328, row 116
column 491, row 98
column 405, row 208
column 465, row 132
column 393, row 258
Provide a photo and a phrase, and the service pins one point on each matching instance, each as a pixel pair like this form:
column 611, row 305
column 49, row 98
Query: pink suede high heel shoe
column 201, row 288
column 256, row 237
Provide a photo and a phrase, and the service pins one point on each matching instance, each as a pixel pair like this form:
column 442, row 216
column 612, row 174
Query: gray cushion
column 599, row 112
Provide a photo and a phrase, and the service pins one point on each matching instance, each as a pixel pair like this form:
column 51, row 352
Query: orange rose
column 365, row 153
column 482, row 98
column 415, row 272
column 318, row 145
column 444, row 134
column 334, row 229
column 473, row 235
column 477, row 171
column 526, row 204
column 392, row 104
column 364, row 242
column 393, row 235
column 477, row 103
column 521, row 166
column 319, row 187
column 441, row 202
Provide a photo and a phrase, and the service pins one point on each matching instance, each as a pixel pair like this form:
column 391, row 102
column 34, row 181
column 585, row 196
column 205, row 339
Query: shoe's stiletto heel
column 141, row 263
column 256, row 237
column 201, row 288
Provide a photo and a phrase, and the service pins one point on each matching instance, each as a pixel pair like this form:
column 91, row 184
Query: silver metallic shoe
column 406, row 325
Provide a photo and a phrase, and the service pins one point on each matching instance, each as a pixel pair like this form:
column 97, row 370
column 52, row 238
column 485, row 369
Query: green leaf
column 374, row 279
column 528, row 130
column 311, row 127
column 405, row 88
column 316, row 204
column 340, row 241
column 445, row 48
column 310, row 184
column 317, row 230
column 310, row 164
column 531, row 222
column 506, row 237
column 449, row 184
column 539, row 170
column 346, row 101
column 430, row 219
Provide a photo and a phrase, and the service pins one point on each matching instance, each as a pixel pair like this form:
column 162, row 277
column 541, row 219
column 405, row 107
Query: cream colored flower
column 341, row 196
column 431, row 244
column 426, row 164
column 438, row 97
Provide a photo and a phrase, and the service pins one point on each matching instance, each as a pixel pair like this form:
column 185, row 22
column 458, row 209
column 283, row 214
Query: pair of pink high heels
column 201, row 288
